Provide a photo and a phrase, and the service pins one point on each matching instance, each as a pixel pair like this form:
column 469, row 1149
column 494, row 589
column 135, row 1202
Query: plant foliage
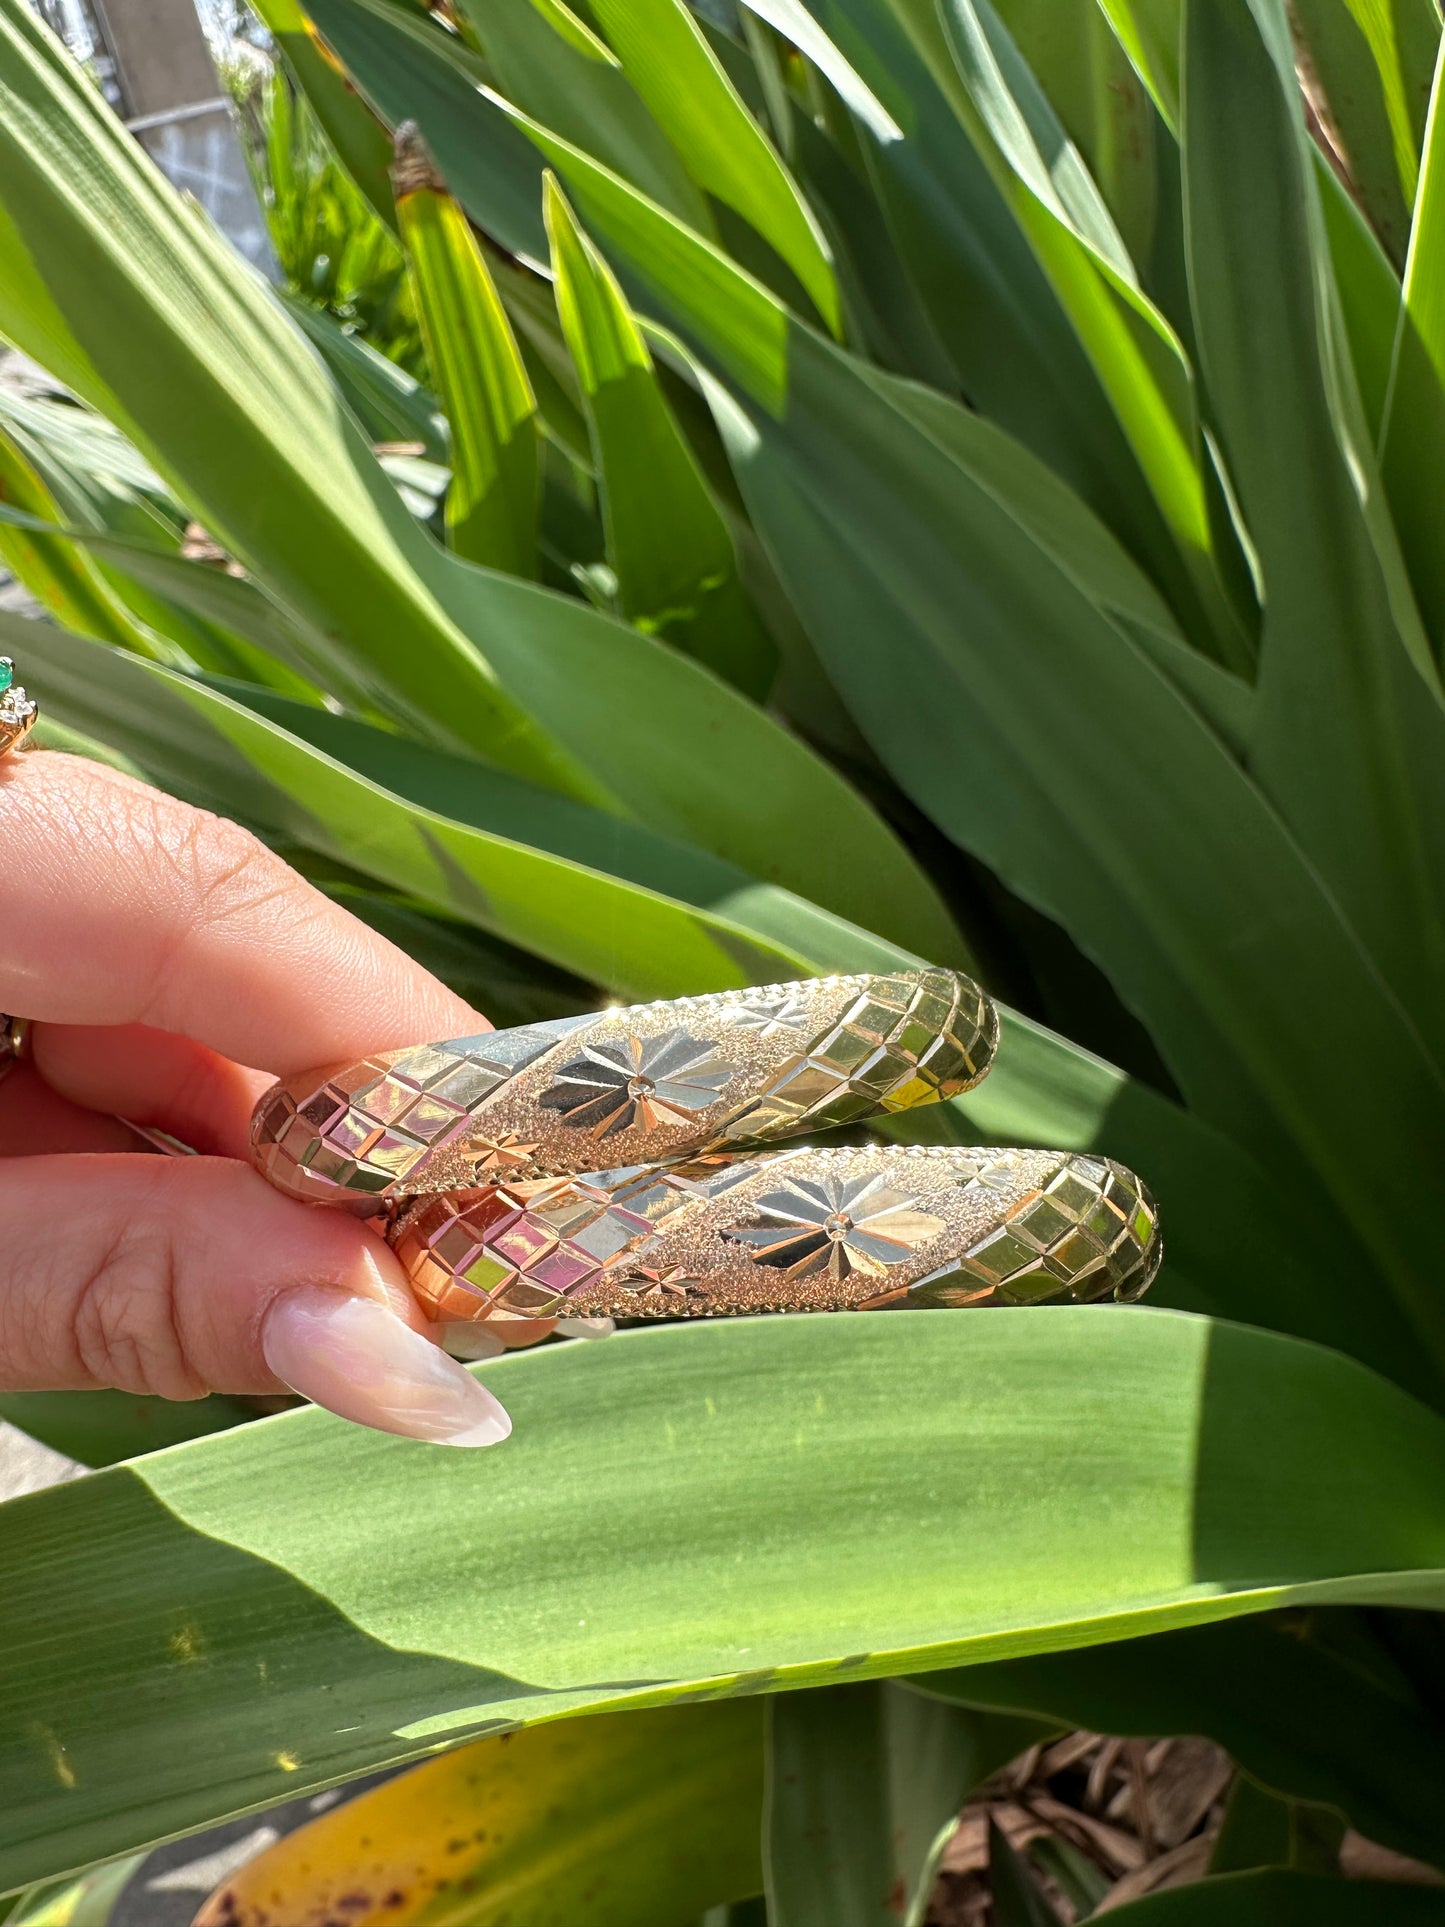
column 884, row 480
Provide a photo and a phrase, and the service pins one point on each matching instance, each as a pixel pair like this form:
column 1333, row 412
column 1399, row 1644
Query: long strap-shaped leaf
column 1349, row 737
column 1413, row 434
column 687, row 90
column 126, row 293
column 968, row 212
column 164, row 329
column 561, row 1824
column 667, row 543
column 743, row 1506
column 492, row 501
column 1076, row 768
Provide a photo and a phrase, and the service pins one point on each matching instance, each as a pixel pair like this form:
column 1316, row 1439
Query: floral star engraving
column 499, row 1155
column 661, row 1080
column 661, row 1290
column 784, row 1013
column 837, row 1226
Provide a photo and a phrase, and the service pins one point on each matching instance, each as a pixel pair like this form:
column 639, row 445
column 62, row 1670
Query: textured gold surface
column 598, row 1166
column 14, row 1037
column 669, row 1080
column 798, row 1230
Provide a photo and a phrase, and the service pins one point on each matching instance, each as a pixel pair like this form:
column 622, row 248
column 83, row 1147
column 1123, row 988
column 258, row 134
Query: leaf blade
column 1156, row 1456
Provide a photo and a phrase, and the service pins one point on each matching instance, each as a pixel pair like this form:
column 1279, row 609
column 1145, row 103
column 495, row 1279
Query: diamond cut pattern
column 1092, row 1230
column 903, row 1041
column 367, row 1128
column 794, row 1231
column 513, row 1251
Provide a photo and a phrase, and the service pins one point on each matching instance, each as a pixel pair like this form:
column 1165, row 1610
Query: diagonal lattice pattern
column 668, row 1080
column 796, row 1230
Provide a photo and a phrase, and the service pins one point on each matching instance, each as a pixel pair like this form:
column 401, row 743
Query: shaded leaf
column 1284, row 1900
column 1300, row 1720
column 864, row 1785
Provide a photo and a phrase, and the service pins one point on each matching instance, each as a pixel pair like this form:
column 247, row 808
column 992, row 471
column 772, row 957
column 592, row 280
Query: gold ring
column 14, row 1040
column 613, row 1164
column 17, row 711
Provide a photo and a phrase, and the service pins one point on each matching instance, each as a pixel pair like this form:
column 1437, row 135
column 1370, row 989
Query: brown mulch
column 1101, row 1821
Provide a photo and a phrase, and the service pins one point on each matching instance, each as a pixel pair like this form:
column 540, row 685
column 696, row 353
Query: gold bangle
column 485, row 1156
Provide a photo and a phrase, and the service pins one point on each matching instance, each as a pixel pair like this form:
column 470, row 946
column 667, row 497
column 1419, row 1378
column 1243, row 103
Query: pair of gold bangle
column 615, row 1164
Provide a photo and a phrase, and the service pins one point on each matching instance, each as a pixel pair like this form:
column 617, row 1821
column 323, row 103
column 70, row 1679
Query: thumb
column 181, row 1276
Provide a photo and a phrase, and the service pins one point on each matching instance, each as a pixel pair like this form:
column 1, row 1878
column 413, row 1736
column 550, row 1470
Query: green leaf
column 1413, row 435
column 766, row 1503
column 667, row 543
column 90, row 476
column 89, row 1901
column 268, row 641
column 1367, row 805
column 1300, row 1720
column 1017, row 1900
column 556, row 69
column 1085, row 73
column 1110, row 401
column 171, row 336
column 864, row 1786
column 683, row 83
column 1261, row 1830
column 100, row 1428
column 391, row 405
column 1013, row 350
column 1136, row 355
column 561, row 694
column 1373, row 60
column 863, row 513
column 68, row 584
column 1284, row 1900
column 563, row 1823
column 1148, row 31
column 1081, row 544
column 1369, row 292
column 1025, row 128
column 407, row 68
column 492, row 502
column 1257, row 1830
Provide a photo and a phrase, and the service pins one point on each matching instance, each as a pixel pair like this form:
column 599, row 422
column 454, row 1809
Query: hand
column 173, row 967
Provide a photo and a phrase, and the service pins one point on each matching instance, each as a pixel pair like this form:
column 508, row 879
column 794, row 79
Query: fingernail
column 470, row 1338
column 360, row 1361
column 587, row 1327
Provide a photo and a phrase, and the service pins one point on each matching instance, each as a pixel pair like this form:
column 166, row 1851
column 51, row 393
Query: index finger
column 124, row 906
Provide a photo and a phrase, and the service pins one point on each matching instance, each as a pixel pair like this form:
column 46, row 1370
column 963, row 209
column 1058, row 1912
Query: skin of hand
column 172, row 967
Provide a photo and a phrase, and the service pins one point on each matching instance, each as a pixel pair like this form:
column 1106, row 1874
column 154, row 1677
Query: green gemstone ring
column 17, row 711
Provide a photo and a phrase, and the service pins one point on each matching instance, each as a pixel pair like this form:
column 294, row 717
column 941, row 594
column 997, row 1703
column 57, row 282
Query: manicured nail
column 587, row 1327
column 470, row 1339
column 360, row 1361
